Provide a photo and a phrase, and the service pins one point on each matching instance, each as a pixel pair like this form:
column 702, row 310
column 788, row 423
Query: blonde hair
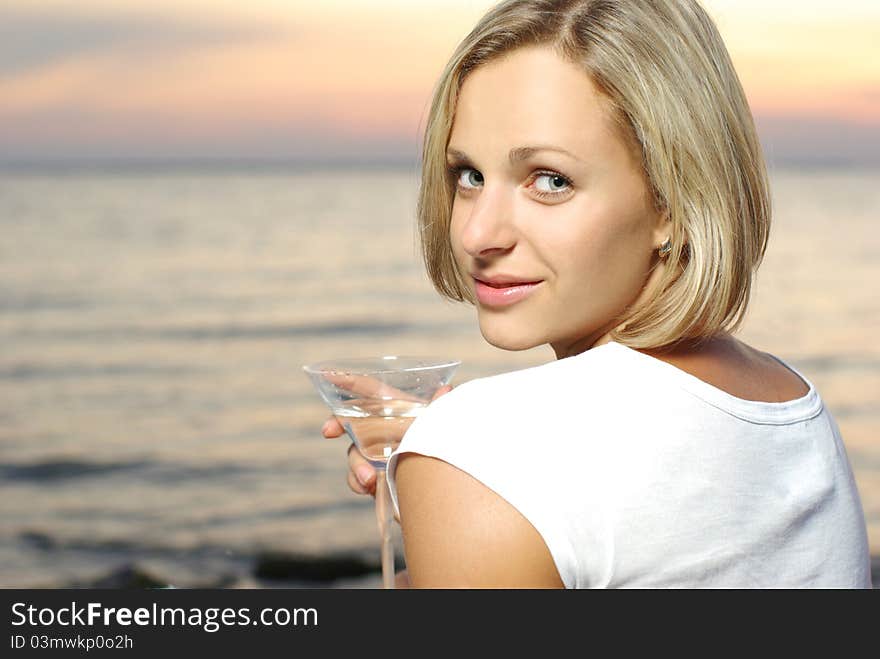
column 677, row 101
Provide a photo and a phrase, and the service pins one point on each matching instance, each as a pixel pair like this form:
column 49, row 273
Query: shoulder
column 472, row 513
column 459, row 533
column 739, row 370
column 460, row 498
column 493, row 426
column 587, row 374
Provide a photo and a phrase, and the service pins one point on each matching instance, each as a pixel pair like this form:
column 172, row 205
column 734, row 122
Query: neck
column 583, row 344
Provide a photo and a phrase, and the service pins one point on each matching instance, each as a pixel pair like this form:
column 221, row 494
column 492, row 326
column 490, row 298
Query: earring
column 665, row 248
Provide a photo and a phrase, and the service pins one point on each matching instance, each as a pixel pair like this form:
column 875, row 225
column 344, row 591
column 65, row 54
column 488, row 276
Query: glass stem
column 385, row 517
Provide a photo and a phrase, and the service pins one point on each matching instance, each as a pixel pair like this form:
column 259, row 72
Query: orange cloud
column 351, row 70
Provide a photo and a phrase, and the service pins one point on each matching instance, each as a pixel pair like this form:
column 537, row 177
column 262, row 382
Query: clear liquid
column 378, row 425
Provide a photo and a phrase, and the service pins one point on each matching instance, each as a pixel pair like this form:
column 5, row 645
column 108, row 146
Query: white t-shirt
column 638, row 474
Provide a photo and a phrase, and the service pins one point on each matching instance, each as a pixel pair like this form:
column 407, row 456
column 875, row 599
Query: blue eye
column 551, row 183
column 545, row 185
column 469, row 178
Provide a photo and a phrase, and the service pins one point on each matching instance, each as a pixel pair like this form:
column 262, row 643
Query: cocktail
column 375, row 400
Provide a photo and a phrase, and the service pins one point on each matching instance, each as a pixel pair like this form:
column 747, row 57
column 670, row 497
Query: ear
column 662, row 227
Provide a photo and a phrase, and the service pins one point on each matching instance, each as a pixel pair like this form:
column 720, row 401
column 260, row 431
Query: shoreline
column 271, row 570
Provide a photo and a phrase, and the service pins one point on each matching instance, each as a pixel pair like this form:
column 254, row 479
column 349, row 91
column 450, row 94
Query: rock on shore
column 278, row 569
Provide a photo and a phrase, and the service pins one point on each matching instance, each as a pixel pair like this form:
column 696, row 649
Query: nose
column 489, row 228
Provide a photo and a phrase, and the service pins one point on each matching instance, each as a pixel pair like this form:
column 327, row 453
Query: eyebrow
column 517, row 154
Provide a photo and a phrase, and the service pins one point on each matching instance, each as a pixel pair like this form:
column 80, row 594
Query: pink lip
column 497, row 295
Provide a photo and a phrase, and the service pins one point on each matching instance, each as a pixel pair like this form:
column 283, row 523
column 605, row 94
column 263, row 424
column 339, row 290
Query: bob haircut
column 677, row 102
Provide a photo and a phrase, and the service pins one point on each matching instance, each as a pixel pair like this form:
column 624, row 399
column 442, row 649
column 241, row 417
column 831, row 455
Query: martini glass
column 375, row 400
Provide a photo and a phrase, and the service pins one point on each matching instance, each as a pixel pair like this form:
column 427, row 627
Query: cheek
column 575, row 249
column 601, row 260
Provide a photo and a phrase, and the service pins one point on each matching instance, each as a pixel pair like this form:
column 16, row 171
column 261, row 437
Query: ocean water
column 153, row 324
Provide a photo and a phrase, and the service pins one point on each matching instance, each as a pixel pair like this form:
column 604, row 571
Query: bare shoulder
column 782, row 383
column 739, row 369
column 458, row 533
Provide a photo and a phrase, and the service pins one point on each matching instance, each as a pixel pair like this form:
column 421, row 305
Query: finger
column 445, row 389
column 359, row 488
column 354, row 486
column 332, row 428
column 361, row 471
column 366, row 386
column 353, row 482
column 401, row 579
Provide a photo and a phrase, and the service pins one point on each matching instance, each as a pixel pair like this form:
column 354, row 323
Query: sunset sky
column 351, row 79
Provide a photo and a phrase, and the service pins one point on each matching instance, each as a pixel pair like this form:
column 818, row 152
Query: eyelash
column 456, row 170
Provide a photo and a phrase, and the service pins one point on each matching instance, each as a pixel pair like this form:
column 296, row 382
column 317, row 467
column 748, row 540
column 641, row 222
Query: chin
column 509, row 338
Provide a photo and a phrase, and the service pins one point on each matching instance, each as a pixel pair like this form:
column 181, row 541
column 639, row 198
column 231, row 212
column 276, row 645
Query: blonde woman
column 592, row 180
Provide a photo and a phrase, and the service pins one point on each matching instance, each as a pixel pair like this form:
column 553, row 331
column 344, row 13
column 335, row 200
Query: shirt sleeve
column 465, row 429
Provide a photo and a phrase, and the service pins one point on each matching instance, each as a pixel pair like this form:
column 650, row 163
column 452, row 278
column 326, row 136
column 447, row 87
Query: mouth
column 499, row 293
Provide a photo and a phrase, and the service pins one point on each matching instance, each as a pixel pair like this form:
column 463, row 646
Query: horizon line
column 135, row 162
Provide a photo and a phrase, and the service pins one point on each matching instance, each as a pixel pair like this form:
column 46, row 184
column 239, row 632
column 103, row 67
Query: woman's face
column 547, row 193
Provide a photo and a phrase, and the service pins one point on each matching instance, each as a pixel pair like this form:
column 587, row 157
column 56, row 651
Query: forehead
column 532, row 95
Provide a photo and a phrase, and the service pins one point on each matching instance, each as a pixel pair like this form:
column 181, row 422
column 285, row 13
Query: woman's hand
column 361, row 475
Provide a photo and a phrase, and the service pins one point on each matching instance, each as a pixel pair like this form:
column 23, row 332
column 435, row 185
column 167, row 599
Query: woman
column 592, row 180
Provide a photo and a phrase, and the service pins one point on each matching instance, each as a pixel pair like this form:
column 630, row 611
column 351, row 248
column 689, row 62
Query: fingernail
column 364, row 474
column 325, row 427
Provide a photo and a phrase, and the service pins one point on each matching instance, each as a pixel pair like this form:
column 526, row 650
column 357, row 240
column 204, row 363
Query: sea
column 155, row 420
